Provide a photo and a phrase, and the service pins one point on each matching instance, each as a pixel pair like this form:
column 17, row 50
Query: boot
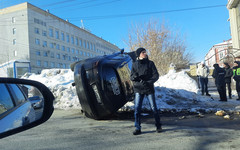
column 238, row 96
column 159, row 129
column 208, row 94
column 137, row 132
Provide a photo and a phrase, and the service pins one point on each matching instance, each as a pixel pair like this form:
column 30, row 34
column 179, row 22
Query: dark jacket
column 143, row 74
column 219, row 74
column 228, row 75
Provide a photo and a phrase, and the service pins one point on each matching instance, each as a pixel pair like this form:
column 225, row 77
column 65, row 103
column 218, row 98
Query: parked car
column 103, row 84
column 19, row 109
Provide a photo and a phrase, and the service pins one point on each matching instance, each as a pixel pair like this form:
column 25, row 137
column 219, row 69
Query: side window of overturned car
column 6, row 102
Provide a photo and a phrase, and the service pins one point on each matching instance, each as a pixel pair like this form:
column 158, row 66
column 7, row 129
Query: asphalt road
column 71, row 130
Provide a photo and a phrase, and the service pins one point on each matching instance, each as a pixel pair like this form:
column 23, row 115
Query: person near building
column 236, row 77
column 143, row 74
column 228, row 78
column 219, row 76
column 202, row 73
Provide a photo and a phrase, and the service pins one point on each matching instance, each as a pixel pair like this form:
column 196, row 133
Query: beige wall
column 234, row 16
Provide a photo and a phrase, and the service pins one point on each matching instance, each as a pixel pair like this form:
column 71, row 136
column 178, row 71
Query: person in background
column 236, row 77
column 228, row 77
column 202, row 73
column 218, row 75
column 143, row 74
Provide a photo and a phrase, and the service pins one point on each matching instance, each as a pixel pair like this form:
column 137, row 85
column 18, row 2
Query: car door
column 18, row 111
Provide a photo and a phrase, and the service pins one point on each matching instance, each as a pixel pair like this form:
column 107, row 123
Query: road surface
column 71, row 130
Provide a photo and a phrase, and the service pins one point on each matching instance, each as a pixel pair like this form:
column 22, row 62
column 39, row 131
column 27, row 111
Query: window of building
column 45, row 54
column 94, row 47
column 63, row 48
column 90, row 46
column 37, row 41
column 58, row 56
column 59, row 65
column 15, row 53
column 50, row 32
column 87, row 45
column 38, row 53
column 69, row 58
column 52, row 64
column 38, row 63
column 64, row 66
column 84, row 53
column 68, row 38
column 52, row 54
column 81, row 52
column 51, row 45
column 73, row 50
column 58, row 46
column 45, row 64
column 57, row 34
column 14, row 41
column 80, row 42
column 64, row 57
column 36, row 30
column 68, row 49
column 13, row 20
column 44, row 43
column 84, row 44
column 72, row 39
column 62, row 36
column 14, row 30
column 44, row 33
column 76, row 41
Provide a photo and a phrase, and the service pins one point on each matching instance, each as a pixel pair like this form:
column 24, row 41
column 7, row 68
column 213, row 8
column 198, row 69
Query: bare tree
column 163, row 45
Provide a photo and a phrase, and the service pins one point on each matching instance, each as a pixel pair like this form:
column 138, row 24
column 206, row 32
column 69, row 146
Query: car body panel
column 17, row 117
column 103, row 84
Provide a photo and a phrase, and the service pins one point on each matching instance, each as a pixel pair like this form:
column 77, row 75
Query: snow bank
column 59, row 81
column 173, row 91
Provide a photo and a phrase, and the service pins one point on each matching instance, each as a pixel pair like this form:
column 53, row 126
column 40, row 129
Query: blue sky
column 201, row 27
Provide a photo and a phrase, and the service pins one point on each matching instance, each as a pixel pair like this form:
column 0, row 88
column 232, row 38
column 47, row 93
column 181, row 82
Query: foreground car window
column 19, row 97
column 5, row 99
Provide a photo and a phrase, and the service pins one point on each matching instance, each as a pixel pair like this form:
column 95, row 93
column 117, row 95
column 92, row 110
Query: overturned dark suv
column 103, row 84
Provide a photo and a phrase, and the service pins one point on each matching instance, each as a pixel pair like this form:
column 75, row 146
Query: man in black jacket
column 219, row 74
column 143, row 74
column 228, row 78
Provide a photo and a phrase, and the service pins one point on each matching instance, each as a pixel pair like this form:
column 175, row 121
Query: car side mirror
column 23, row 104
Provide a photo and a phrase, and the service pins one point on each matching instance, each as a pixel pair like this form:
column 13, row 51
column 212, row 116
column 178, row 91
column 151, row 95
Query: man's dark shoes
column 238, row 99
column 159, row 129
column 137, row 132
column 208, row 94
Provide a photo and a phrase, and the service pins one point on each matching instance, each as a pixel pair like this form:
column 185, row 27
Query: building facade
column 234, row 18
column 47, row 41
column 220, row 53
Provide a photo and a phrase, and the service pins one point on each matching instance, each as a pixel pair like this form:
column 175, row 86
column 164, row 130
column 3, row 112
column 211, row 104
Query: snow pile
column 178, row 92
column 174, row 92
column 59, row 81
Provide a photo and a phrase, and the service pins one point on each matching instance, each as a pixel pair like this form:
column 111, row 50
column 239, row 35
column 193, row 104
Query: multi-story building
column 234, row 18
column 47, row 41
column 220, row 53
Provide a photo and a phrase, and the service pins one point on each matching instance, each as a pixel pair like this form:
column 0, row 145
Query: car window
column 6, row 102
column 17, row 93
